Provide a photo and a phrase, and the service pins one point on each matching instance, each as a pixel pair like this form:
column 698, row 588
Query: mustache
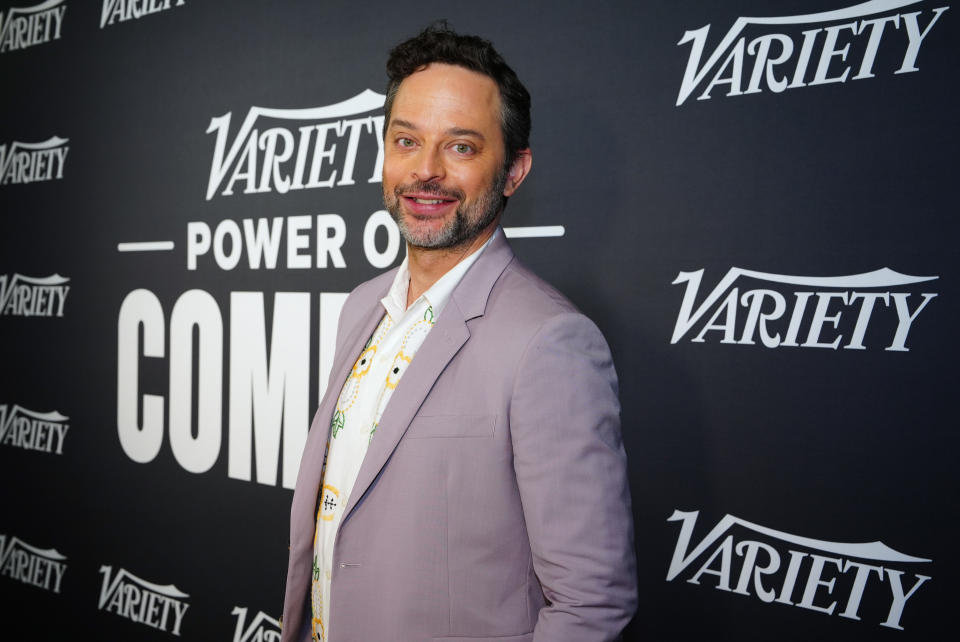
column 433, row 189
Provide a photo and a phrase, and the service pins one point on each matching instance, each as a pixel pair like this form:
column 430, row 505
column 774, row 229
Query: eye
column 405, row 142
column 463, row 148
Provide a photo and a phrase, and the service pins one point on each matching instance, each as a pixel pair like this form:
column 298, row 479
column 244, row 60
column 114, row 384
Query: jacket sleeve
column 572, row 475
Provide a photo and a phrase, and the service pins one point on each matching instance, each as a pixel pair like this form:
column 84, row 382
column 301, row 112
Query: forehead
column 445, row 97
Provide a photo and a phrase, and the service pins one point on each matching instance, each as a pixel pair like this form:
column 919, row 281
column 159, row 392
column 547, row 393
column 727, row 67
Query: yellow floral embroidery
column 329, row 500
column 362, row 366
column 400, row 364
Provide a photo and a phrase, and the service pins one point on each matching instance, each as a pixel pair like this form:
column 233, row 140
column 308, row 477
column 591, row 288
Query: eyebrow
column 453, row 131
column 460, row 131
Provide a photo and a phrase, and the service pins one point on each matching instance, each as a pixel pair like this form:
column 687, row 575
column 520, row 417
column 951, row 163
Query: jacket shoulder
column 527, row 298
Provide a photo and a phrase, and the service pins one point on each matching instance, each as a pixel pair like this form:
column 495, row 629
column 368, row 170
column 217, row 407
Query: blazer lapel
column 351, row 347
column 311, row 466
column 443, row 342
column 441, row 345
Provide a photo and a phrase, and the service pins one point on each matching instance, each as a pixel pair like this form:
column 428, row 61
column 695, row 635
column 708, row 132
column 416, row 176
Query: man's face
column 443, row 173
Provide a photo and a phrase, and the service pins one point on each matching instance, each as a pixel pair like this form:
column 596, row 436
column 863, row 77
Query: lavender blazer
column 493, row 501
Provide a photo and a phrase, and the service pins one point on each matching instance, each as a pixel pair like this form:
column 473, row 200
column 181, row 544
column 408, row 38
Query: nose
column 428, row 165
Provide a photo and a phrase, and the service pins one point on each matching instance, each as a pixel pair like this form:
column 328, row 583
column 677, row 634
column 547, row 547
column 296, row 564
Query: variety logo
column 321, row 153
column 33, row 162
column 784, row 60
column 24, row 27
column 835, row 571
column 123, row 10
column 138, row 600
column 24, row 296
column 30, row 430
column 262, row 628
column 25, row 563
column 836, row 310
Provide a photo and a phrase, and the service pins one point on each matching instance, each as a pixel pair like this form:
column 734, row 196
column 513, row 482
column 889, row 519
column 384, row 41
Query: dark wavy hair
column 439, row 43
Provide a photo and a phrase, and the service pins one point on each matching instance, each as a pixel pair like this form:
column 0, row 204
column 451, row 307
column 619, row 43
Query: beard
column 469, row 220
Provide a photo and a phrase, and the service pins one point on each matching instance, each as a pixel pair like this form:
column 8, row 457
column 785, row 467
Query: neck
column 427, row 265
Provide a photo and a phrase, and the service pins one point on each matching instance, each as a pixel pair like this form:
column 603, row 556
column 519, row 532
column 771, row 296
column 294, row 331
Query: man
column 464, row 477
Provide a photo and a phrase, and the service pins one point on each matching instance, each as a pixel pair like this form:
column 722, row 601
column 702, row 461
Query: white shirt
column 363, row 398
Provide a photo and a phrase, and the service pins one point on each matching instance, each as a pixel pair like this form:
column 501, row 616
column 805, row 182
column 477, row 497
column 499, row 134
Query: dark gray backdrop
column 823, row 180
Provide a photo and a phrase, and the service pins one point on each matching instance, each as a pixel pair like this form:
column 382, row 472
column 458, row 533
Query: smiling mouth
column 429, row 201
column 428, row 195
column 427, row 205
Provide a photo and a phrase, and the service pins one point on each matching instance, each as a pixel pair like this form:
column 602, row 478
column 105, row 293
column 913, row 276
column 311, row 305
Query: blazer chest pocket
column 434, row 426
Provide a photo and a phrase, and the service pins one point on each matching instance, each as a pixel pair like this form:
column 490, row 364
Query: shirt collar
column 438, row 295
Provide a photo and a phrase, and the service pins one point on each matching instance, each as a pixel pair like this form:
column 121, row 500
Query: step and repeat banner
column 754, row 200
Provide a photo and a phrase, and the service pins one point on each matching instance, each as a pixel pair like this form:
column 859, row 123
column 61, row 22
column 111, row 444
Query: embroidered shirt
column 363, row 398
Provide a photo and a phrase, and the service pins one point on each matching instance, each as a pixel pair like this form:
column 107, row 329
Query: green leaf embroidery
column 337, row 423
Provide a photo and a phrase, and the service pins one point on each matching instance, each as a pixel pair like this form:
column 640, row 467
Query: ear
column 518, row 171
